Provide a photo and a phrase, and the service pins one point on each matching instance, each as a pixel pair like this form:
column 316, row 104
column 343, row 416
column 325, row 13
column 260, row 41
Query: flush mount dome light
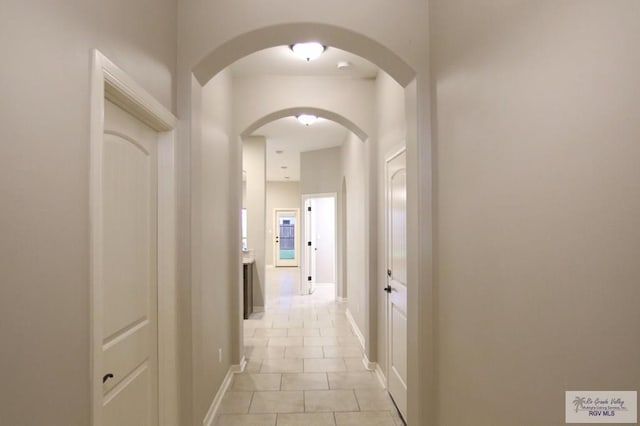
column 308, row 51
column 307, row 119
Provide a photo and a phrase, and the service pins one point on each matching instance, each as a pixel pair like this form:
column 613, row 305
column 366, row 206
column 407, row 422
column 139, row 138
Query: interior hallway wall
column 205, row 26
column 213, row 242
column 391, row 136
column 538, row 200
column 321, row 173
column 254, row 162
column 280, row 195
column 355, row 172
column 44, row 187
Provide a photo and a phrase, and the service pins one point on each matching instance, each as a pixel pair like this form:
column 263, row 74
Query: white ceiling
column 281, row 61
column 291, row 137
column 287, row 134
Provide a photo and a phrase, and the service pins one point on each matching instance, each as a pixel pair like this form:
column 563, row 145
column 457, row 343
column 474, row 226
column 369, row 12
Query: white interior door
column 286, row 237
column 324, row 239
column 128, row 353
column 396, row 185
column 308, row 277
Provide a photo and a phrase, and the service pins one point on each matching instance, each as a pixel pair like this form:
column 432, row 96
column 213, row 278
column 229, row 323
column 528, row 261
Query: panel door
column 129, row 350
column 397, row 279
column 286, row 237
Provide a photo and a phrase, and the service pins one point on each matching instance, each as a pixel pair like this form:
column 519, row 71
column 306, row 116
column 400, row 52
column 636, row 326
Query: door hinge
column 309, row 243
column 309, row 278
column 309, row 208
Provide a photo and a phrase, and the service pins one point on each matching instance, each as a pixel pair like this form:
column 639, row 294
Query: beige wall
column 279, row 195
column 354, row 171
column 320, row 171
column 254, row 162
column 44, row 158
column 213, row 243
column 538, row 200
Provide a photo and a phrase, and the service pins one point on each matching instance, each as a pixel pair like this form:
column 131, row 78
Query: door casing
column 110, row 82
column 276, row 225
column 388, row 267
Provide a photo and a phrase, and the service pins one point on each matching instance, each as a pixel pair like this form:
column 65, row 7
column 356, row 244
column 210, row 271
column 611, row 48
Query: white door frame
column 303, row 268
column 276, row 227
column 395, row 153
column 110, row 82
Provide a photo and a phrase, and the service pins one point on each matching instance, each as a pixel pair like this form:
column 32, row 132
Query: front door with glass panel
column 286, row 237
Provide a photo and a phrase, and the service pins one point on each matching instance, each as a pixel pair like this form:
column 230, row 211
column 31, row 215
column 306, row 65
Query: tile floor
column 304, row 365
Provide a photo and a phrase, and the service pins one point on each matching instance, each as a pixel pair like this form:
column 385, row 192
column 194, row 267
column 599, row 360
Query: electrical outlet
column 220, row 355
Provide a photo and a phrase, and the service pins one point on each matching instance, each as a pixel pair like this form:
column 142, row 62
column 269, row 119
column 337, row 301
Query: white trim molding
column 109, row 82
column 355, row 328
column 212, row 413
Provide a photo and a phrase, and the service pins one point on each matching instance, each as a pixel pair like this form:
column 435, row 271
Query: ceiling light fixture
column 307, row 119
column 308, row 51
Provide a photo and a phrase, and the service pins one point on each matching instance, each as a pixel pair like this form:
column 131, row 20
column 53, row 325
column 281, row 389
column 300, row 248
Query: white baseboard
column 355, row 328
column 258, row 309
column 375, row 367
column 342, row 299
column 381, row 378
column 210, row 418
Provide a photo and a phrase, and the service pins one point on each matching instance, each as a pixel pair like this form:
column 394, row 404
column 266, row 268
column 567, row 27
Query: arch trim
column 288, row 112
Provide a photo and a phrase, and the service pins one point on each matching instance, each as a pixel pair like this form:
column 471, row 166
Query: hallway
column 304, row 365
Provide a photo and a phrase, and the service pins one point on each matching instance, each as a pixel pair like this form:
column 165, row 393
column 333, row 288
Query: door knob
column 388, row 289
column 107, row 377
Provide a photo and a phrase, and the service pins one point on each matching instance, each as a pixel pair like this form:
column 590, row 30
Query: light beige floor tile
column 324, row 365
column 246, row 420
column 260, row 352
column 303, row 352
column 347, row 340
column 253, row 366
column 286, row 341
column 320, row 341
column 257, row 323
column 305, row 381
column 235, row 403
column 397, row 418
column 286, row 365
column 287, row 324
column 306, row 419
column 270, row 332
column 368, row 418
column 256, row 382
column 334, row 331
column 277, row 402
column 374, row 400
column 346, row 351
column 253, row 341
column 303, row 332
column 330, row 400
column 318, row 324
column 355, row 364
column 354, row 380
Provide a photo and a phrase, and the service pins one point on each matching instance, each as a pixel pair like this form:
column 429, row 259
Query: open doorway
column 319, row 272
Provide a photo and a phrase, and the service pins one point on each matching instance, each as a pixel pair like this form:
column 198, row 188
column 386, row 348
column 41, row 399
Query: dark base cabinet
column 247, row 279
